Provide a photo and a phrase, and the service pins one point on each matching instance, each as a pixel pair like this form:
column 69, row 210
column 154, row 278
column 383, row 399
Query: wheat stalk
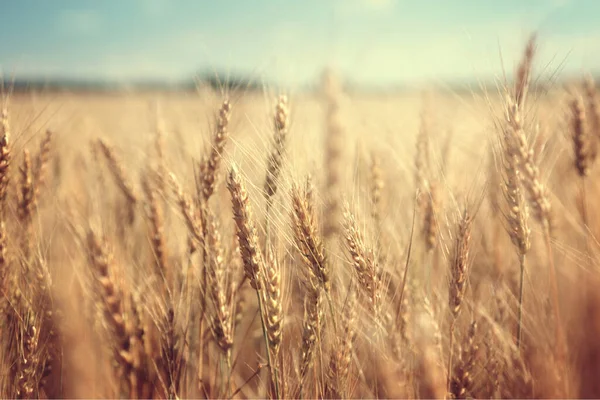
column 311, row 325
column 307, row 238
column 363, row 260
column 251, row 253
column 430, row 222
column 275, row 160
column 5, row 153
column 462, row 378
column 157, row 235
column 26, row 198
column 246, row 231
column 523, row 75
column 111, row 301
column 219, row 288
column 341, row 358
column 377, row 185
column 334, row 136
column 517, row 216
column 120, row 177
column 581, row 143
column 273, row 301
column 209, row 168
column 459, row 272
column 41, row 164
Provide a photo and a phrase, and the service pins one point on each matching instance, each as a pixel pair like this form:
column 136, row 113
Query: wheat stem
column 272, row 369
column 521, row 292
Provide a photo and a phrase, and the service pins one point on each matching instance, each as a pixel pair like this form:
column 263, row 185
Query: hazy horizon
column 371, row 42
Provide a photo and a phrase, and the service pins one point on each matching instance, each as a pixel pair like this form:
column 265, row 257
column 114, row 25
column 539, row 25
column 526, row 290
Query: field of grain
column 238, row 244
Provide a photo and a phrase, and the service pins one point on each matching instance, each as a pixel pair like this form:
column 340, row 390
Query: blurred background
column 373, row 44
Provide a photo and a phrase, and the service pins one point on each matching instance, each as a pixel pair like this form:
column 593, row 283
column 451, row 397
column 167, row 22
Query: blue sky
column 290, row 41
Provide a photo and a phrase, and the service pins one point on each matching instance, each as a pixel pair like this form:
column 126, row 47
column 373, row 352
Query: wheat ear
column 120, row 177
column 210, row 167
column 363, row 260
column 275, row 160
column 250, row 251
column 459, row 271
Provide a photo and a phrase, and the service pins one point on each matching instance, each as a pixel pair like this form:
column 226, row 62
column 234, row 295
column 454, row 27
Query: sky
column 372, row 42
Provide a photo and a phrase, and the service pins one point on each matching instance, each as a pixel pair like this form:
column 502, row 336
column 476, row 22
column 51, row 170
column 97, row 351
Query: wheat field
column 240, row 244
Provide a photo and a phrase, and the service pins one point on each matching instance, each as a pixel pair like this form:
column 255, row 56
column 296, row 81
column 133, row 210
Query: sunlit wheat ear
column 363, row 261
column 157, row 233
column 306, row 235
column 493, row 366
column 377, row 184
column 273, row 301
column 253, row 260
column 516, row 214
column 581, row 142
column 219, row 288
column 4, row 176
column 4, row 262
column 459, row 273
column 147, row 314
column 25, row 206
column 530, row 176
column 171, row 354
column 430, row 219
column 42, row 298
column 41, row 162
column 111, row 299
column 209, row 168
column 523, row 74
column 135, row 355
column 27, row 366
column 121, row 179
column 593, row 111
column 311, row 325
column 459, row 267
column 462, row 378
column 246, row 231
column 25, row 210
column 275, row 160
column 518, row 142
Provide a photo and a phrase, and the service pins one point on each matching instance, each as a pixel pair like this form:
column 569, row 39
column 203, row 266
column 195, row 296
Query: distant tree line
column 213, row 80
column 230, row 83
